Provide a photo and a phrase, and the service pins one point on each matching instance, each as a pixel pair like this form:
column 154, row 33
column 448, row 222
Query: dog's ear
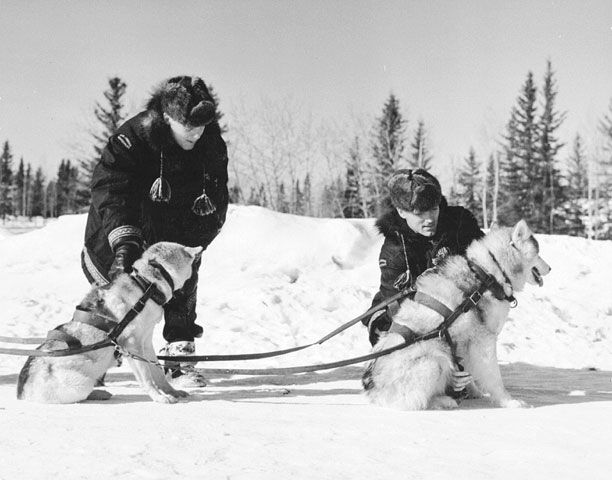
column 521, row 232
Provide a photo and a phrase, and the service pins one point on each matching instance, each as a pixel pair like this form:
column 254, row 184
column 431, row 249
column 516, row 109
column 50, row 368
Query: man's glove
column 379, row 322
column 125, row 256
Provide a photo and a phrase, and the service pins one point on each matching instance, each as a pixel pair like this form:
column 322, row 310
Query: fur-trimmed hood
column 151, row 127
column 390, row 224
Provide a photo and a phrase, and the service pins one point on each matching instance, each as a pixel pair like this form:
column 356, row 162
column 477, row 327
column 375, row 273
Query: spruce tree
column 604, row 164
column 547, row 181
column 387, row 147
column 282, row 204
column 470, row 184
column 20, row 189
column 520, row 168
column 355, row 197
column 6, row 181
column 38, row 194
column 420, row 156
column 576, row 191
column 109, row 117
column 51, row 196
column 27, row 193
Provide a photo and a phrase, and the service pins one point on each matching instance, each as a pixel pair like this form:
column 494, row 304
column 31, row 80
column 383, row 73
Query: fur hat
column 187, row 100
column 414, row 190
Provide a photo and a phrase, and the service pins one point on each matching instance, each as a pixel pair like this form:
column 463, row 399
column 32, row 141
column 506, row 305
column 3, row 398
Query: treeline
column 523, row 176
column 280, row 161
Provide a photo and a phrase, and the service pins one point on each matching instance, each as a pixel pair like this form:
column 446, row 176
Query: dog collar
column 157, row 295
column 496, row 288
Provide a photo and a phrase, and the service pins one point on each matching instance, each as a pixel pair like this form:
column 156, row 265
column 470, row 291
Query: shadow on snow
column 538, row 386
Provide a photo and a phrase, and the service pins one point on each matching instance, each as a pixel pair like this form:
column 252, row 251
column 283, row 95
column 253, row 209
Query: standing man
column 162, row 177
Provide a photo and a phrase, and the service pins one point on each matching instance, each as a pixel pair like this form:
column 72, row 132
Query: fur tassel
column 202, row 205
column 160, row 190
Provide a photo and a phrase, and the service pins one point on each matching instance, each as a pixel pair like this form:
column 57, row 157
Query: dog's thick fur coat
column 72, row 378
column 417, row 377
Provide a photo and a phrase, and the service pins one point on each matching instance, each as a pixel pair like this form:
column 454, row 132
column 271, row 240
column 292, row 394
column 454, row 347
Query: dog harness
column 107, row 323
column 487, row 282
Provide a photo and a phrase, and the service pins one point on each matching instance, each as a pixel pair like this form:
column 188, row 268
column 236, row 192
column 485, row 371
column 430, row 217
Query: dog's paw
column 512, row 403
column 162, row 397
column 443, row 402
column 180, row 393
column 99, row 395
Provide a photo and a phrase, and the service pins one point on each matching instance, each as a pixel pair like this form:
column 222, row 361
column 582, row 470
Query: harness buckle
column 475, row 297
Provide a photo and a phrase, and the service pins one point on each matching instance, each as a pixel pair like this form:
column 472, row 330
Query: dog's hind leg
column 410, row 383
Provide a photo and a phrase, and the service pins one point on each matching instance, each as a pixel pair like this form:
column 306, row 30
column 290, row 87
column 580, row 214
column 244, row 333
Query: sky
column 256, row 296
column 458, row 65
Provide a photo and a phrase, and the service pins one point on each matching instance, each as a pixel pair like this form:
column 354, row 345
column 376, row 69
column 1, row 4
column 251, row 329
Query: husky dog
column 416, row 377
column 72, row 378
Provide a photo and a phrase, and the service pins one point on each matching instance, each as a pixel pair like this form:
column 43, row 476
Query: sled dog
column 416, row 377
column 72, row 378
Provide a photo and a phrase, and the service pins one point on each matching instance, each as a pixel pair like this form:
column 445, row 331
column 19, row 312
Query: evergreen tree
column 19, row 201
column 387, row 147
column 355, row 201
column 38, row 194
column 51, row 196
column 520, row 167
column 576, row 191
column 550, row 195
column 420, row 156
column 282, row 204
column 109, row 116
column 67, row 188
column 604, row 166
column 27, row 191
column 6, row 181
column 470, row 184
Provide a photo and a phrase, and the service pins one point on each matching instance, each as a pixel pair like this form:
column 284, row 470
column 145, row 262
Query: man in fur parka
column 419, row 230
column 161, row 177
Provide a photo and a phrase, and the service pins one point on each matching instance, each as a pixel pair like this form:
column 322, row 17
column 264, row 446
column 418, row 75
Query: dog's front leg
column 154, row 386
column 481, row 362
column 157, row 373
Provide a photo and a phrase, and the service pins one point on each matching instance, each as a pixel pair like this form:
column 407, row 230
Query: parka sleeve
column 392, row 266
column 115, row 190
column 222, row 185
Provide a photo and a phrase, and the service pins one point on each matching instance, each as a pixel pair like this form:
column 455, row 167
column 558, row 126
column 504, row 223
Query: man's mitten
column 125, row 256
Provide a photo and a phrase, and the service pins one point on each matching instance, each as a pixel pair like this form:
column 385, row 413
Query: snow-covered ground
column 273, row 281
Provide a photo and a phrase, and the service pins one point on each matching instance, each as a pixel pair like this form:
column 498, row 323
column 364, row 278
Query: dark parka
column 121, row 209
column 405, row 251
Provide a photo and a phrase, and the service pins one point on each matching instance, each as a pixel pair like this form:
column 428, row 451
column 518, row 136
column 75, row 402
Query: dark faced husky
column 72, row 378
column 417, row 377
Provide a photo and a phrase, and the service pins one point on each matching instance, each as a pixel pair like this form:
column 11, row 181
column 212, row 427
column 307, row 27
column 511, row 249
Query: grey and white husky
column 72, row 378
column 416, row 377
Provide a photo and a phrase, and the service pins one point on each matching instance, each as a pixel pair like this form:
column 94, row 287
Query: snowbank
column 274, row 280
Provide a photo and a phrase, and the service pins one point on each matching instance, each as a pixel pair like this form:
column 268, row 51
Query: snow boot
column 182, row 375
